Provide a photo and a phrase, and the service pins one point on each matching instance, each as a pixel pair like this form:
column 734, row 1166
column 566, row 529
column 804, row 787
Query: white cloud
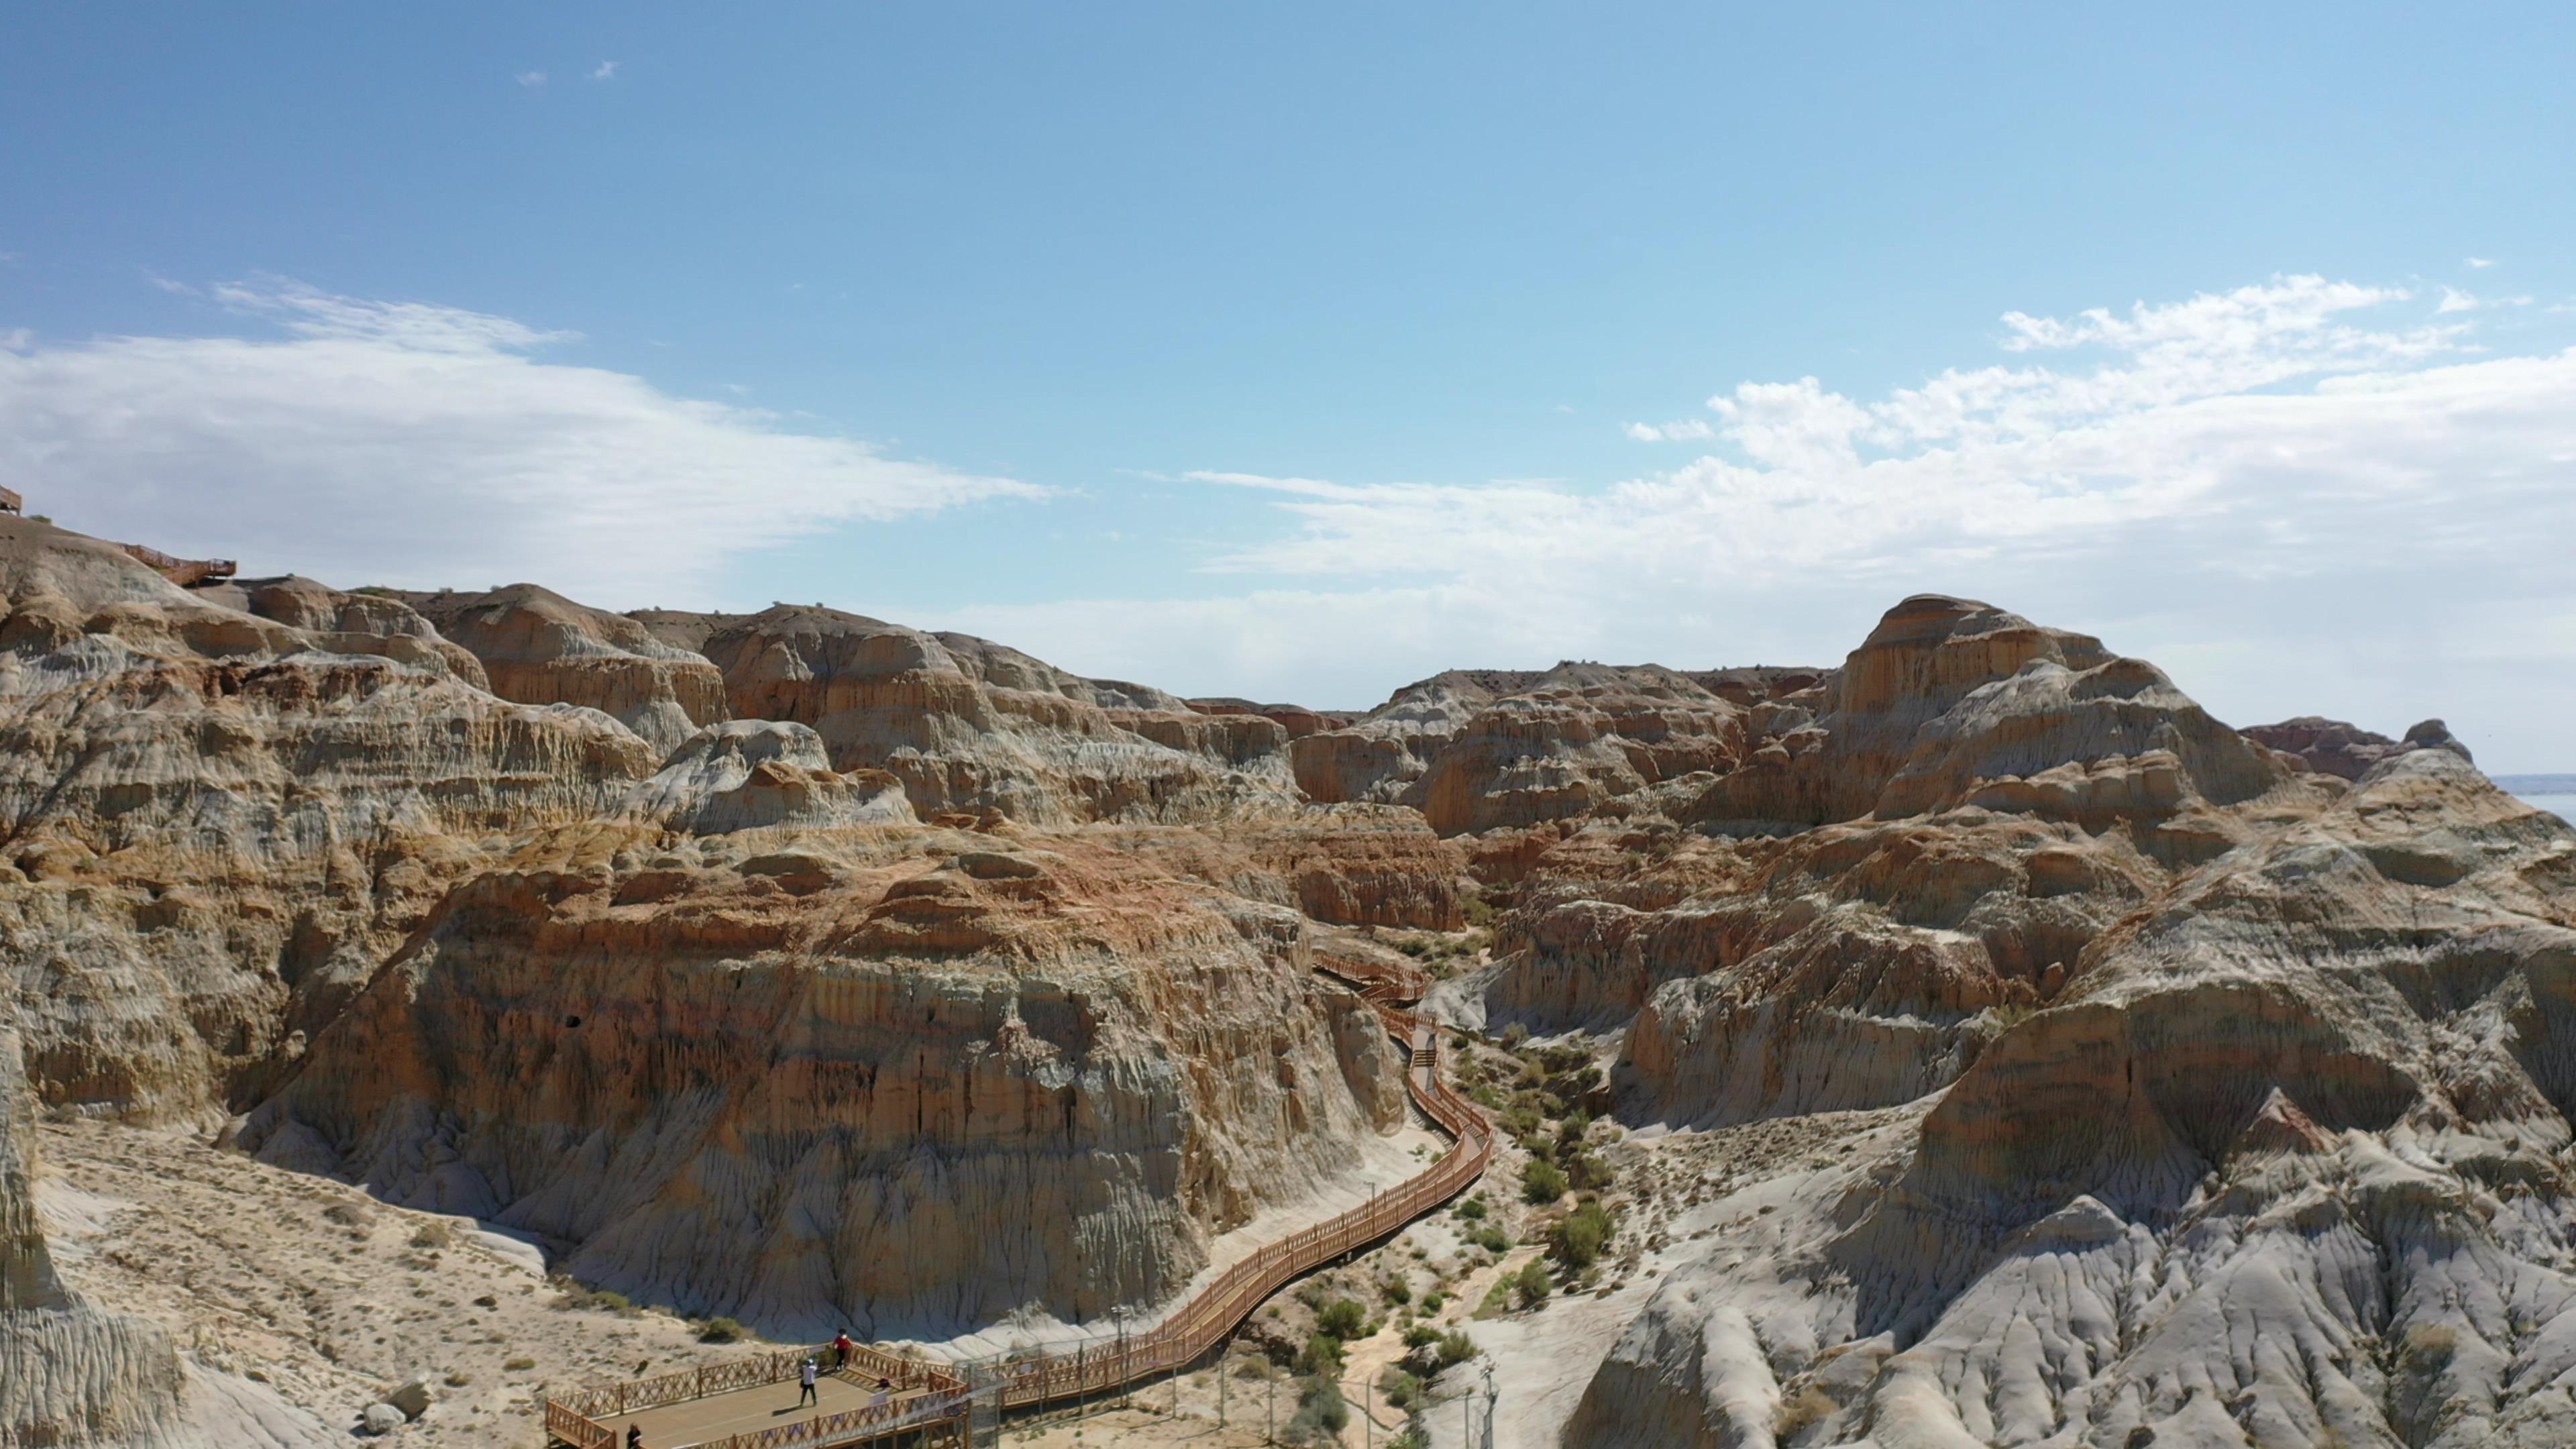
column 2455, row 300
column 1686, row 430
column 531, row 78
column 607, row 68
column 2299, row 496
column 2481, row 261
column 413, row 444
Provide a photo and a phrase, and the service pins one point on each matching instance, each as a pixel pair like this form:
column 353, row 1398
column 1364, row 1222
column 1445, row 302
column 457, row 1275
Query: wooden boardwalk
column 749, row 1411
column 734, row 1405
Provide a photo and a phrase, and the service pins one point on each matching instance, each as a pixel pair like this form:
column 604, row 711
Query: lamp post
column 1117, row 1370
column 1492, row 1396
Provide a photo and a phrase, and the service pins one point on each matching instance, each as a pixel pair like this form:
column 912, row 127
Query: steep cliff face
column 1352, row 865
column 914, row 1081
column 2280, row 1166
column 970, row 726
column 541, row 648
column 216, row 823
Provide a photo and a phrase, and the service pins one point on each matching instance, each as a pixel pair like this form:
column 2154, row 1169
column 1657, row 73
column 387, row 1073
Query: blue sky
column 1301, row 351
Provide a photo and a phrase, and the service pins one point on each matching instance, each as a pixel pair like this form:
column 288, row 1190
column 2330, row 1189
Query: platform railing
column 1183, row 1338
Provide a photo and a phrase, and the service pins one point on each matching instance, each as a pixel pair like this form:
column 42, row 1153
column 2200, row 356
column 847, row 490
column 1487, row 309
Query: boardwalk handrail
column 180, row 571
column 1177, row 1342
column 1197, row 1326
column 866, row 1365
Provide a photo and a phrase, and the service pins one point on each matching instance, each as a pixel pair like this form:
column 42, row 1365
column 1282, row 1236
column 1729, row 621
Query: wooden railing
column 1177, row 1342
column 1197, row 1327
column 864, row 1421
column 866, row 1366
column 181, row 571
column 568, row 1425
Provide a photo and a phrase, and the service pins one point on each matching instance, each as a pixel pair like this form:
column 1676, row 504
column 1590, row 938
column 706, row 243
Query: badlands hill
column 2166, row 1083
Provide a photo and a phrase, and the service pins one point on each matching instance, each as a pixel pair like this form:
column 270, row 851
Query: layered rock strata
column 216, row 824
column 916, row 1084
column 972, row 727
column 541, row 648
column 1476, row 750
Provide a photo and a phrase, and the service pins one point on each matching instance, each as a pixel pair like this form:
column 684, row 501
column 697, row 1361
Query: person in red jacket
column 842, row 1346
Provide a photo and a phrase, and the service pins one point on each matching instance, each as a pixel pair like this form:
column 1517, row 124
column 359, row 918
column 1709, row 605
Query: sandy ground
column 256, row 1277
column 278, row 1282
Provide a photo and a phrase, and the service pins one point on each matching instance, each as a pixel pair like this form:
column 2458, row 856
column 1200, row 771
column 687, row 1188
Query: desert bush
column 1401, row 1389
column 1456, row 1348
column 719, row 1330
column 1577, row 1238
column 1322, row 1355
column 1321, row 1415
column 1542, row 1182
column 1532, row 1283
column 1342, row 1318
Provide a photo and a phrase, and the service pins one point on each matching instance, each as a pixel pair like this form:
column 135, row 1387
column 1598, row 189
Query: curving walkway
column 928, row 1395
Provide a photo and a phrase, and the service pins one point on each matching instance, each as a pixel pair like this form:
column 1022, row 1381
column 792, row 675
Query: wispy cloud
column 1686, row 430
column 531, row 78
column 417, row 444
column 607, row 69
column 2299, row 495
column 2481, row 261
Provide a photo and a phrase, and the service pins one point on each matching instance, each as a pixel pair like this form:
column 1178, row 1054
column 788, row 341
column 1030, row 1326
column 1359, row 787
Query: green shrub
column 1514, row 1035
column 1542, row 1181
column 518, row 1365
column 1396, row 1290
column 1473, row 1209
column 1401, row 1389
column 1431, row 1302
column 1492, row 1241
column 1532, row 1283
column 1588, row 1172
column 1456, row 1348
column 1322, row 1355
column 1342, row 1318
column 1577, row 1238
column 1421, row 1335
column 1321, row 1415
column 719, row 1330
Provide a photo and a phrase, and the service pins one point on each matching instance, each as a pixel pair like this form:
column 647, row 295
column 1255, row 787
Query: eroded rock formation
column 816, row 970
column 1474, row 750
column 970, row 726
column 542, row 648
column 920, row 1083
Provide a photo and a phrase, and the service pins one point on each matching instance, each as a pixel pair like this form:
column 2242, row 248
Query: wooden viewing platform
column 185, row 572
column 735, row 1405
